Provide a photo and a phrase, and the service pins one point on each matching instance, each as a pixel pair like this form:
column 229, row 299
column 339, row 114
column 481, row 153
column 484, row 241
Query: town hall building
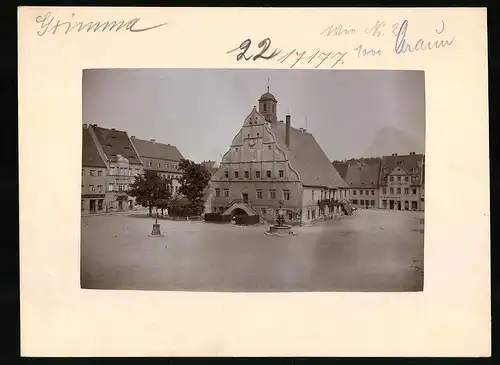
column 271, row 165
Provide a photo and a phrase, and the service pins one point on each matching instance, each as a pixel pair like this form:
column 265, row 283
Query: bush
column 246, row 219
column 217, row 218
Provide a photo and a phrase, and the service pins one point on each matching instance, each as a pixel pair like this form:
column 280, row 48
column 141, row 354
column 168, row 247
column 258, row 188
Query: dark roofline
column 321, row 187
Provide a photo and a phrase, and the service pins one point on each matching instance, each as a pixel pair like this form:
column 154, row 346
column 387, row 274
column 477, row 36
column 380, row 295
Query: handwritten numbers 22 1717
column 294, row 56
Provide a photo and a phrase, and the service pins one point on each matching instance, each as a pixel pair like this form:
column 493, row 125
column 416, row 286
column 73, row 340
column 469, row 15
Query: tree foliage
column 194, row 181
column 151, row 189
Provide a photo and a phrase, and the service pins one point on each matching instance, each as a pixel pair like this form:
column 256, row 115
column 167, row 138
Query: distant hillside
column 391, row 140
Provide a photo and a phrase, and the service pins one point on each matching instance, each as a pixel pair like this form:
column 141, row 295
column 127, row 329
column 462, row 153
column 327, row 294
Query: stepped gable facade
column 271, row 165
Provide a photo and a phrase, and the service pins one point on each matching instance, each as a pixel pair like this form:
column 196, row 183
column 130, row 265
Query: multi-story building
column 94, row 175
column 402, row 181
column 122, row 164
column 160, row 157
column 362, row 177
column 210, row 166
column 422, row 188
column 271, row 166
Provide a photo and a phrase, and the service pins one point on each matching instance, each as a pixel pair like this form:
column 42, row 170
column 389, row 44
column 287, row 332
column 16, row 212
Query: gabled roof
column 114, row 142
column 157, row 150
column 362, row 175
column 307, row 157
column 90, row 153
column 341, row 168
column 406, row 162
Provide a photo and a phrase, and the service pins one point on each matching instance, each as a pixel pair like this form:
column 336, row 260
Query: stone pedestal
column 156, row 231
column 283, row 230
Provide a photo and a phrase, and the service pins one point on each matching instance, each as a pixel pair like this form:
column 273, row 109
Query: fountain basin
column 283, row 230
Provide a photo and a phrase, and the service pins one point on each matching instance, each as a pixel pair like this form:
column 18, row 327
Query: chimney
column 85, row 126
column 287, row 131
column 153, row 140
column 132, row 137
column 113, row 129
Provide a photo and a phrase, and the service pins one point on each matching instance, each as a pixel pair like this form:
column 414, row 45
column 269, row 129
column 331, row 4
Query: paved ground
column 371, row 251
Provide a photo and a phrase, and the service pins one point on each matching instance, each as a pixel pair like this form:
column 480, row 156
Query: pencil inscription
column 50, row 25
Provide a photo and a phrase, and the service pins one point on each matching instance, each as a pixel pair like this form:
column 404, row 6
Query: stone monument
column 280, row 228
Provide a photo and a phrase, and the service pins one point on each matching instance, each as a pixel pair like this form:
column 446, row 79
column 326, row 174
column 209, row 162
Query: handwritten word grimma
column 50, row 25
column 293, row 57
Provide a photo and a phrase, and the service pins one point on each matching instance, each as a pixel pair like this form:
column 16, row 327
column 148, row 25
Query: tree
column 194, row 180
column 149, row 189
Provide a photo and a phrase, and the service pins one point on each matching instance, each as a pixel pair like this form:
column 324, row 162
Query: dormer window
column 257, row 134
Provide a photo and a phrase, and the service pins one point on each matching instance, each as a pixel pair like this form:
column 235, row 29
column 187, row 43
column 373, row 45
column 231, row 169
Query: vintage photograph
column 246, row 180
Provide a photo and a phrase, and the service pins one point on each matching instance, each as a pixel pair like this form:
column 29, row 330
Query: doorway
column 245, row 198
column 120, row 205
column 407, row 205
column 391, row 204
column 238, row 211
column 399, row 204
column 92, row 205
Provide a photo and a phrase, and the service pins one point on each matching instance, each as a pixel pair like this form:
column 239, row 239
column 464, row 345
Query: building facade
column 210, row 166
column 402, row 182
column 362, row 177
column 160, row 157
column 271, row 166
column 122, row 163
column 94, row 177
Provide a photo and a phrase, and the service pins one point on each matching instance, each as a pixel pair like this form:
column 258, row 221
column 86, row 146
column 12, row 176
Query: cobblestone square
column 374, row 250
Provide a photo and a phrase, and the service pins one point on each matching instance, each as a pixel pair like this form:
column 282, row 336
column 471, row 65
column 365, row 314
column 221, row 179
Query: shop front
column 93, row 203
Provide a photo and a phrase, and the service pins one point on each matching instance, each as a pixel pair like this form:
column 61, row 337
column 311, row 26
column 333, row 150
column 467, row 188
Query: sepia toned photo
column 245, row 180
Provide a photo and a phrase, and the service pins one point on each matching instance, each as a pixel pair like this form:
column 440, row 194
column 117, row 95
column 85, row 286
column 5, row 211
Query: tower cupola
column 268, row 106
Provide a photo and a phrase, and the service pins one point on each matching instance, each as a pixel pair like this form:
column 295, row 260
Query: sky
column 201, row 110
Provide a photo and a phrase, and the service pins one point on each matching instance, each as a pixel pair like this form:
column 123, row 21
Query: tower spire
column 268, row 84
